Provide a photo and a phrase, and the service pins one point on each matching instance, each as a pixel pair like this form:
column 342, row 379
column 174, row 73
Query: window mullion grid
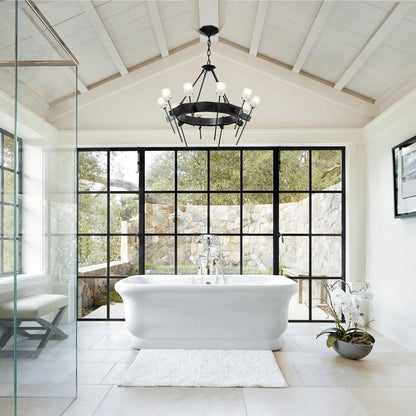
column 142, row 203
column 108, row 234
column 310, row 234
column 276, row 226
column 208, row 191
column 241, row 212
column 2, row 205
column 176, row 215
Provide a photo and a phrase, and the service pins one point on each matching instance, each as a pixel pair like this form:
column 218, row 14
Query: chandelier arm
column 216, row 120
column 183, row 135
column 169, row 118
column 174, row 119
column 202, row 84
column 219, row 140
column 239, row 114
column 242, row 130
column 217, row 80
column 200, row 133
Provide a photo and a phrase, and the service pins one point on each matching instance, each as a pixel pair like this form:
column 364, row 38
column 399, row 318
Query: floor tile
column 172, row 401
column 115, row 342
column 115, row 374
column 90, row 356
column 89, row 397
column 93, row 373
column 302, row 401
column 121, row 356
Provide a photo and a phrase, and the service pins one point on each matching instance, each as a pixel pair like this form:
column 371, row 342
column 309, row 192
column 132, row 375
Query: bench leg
column 8, row 333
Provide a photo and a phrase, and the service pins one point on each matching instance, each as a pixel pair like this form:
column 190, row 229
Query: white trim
column 208, row 16
column 157, row 27
column 392, row 20
column 261, row 14
column 313, row 34
column 102, row 33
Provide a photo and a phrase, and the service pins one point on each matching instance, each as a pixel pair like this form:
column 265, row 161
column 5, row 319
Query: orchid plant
column 347, row 303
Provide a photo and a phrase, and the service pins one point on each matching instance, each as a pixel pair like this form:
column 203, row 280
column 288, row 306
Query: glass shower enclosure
column 38, row 252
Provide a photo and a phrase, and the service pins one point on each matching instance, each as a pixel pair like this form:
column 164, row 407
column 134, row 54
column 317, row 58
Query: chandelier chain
column 209, row 51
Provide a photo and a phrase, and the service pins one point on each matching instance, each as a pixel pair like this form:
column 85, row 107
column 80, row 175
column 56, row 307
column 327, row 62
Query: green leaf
column 328, row 331
column 331, row 341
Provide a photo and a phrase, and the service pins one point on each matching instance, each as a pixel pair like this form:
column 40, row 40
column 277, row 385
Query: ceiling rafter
column 102, row 33
column 261, row 14
column 313, row 34
column 41, row 38
column 157, row 27
column 208, row 16
column 391, row 21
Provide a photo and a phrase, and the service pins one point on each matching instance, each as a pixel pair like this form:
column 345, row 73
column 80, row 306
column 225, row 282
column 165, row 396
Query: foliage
column 114, row 298
column 346, row 303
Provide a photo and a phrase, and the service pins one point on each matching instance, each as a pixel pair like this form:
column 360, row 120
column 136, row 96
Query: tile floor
column 320, row 381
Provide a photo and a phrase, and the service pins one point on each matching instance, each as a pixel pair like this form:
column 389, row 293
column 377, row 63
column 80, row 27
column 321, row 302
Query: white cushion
column 32, row 307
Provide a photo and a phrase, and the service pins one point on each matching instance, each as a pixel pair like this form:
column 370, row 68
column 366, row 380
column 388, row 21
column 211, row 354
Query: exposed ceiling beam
column 42, row 40
column 262, row 7
column 313, row 34
column 157, row 27
column 208, row 16
column 395, row 16
column 102, row 33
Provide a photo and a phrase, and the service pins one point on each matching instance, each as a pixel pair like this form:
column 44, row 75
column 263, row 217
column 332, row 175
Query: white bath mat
column 204, row 368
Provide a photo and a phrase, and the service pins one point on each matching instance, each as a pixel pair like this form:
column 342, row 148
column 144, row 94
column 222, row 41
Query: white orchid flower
column 336, row 296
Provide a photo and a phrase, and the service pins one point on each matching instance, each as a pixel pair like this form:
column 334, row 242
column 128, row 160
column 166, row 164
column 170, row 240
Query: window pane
column 92, row 256
column 299, row 303
column 8, row 221
column 160, row 213
column 93, row 298
column 8, row 186
column 192, row 170
column 294, row 213
column 257, row 255
column 326, row 213
column 124, row 255
column 124, row 211
column 225, row 213
column 187, row 255
column 225, row 170
column 124, row 169
column 8, row 152
column 294, row 170
column 92, row 171
column 160, row 170
column 258, row 170
column 326, row 256
column 320, row 301
column 92, row 213
column 326, row 170
column 192, row 213
column 8, row 265
column 258, row 213
column 294, row 256
column 116, row 302
column 160, row 255
column 230, row 249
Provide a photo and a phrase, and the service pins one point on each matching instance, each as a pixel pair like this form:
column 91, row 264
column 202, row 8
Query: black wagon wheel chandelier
column 217, row 114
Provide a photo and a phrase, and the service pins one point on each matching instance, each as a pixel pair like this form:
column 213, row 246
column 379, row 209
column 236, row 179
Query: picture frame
column 404, row 178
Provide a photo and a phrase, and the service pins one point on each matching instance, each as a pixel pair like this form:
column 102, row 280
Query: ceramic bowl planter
column 352, row 351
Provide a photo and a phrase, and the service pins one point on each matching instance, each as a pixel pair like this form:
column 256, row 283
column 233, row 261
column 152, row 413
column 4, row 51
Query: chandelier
column 217, row 114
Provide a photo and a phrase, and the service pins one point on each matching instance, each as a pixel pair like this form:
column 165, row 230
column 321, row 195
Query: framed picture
column 404, row 170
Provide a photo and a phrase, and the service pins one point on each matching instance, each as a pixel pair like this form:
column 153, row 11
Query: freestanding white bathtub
column 244, row 312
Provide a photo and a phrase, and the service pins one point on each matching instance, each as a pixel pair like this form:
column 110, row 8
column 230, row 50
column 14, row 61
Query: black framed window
column 7, row 202
column 275, row 211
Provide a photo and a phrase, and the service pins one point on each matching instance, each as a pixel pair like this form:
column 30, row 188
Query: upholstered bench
column 31, row 309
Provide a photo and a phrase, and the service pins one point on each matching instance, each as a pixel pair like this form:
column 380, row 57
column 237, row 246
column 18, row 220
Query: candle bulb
column 166, row 94
column 188, row 89
column 246, row 94
column 220, row 90
column 255, row 101
column 162, row 103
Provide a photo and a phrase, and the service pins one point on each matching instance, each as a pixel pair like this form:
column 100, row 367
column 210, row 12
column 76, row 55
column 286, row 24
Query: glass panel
column 192, row 170
column 230, row 249
column 258, row 170
column 8, row 154
column 92, row 302
column 326, row 213
column 257, row 255
column 299, row 303
column 160, row 170
column 160, row 213
column 320, row 301
column 326, row 256
column 192, row 213
column 8, row 247
column 225, row 170
column 124, row 171
column 187, row 255
column 92, row 256
column 258, row 213
column 293, row 213
column 124, row 255
column 8, row 221
column 124, row 213
column 8, row 186
column 159, row 255
column 116, row 302
column 326, row 170
column 92, row 213
column 294, row 170
column 294, row 256
column 92, row 171
column 225, row 213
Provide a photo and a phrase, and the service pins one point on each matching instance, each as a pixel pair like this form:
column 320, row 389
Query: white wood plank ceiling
column 367, row 48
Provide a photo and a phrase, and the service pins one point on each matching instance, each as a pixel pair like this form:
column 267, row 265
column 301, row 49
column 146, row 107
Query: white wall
column 390, row 243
